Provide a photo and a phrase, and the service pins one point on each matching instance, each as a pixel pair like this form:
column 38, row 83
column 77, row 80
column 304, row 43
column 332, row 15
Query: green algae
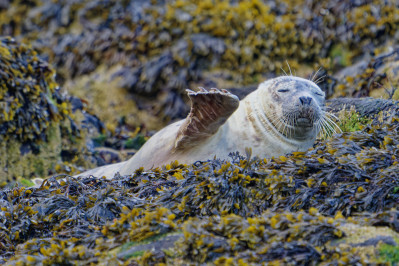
column 136, row 142
column 26, row 183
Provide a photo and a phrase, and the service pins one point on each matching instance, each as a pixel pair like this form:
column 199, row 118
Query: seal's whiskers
column 332, row 115
column 326, row 116
column 326, row 125
column 315, row 74
column 284, row 71
column 277, row 122
column 320, row 79
column 288, row 67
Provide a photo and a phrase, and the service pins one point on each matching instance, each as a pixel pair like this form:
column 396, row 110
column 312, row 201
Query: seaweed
column 301, row 208
column 164, row 47
column 247, row 210
column 30, row 97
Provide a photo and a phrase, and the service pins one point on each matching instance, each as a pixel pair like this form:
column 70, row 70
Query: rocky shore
column 86, row 83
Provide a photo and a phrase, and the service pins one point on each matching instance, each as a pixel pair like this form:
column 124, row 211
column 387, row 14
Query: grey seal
column 281, row 116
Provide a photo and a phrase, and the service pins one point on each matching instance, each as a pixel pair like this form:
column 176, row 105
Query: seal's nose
column 305, row 100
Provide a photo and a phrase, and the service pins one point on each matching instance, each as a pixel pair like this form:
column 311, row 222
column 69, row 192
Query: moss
column 389, row 254
column 351, row 121
column 26, row 183
column 100, row 140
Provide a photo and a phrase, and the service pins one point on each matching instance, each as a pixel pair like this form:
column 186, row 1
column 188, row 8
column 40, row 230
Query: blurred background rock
column 122, row 67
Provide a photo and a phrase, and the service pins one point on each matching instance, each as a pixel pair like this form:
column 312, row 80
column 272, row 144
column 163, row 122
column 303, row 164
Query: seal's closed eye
column 282, row 90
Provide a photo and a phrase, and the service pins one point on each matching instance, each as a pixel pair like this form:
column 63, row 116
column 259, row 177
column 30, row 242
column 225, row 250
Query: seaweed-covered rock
column 164, row 47
column 32, row 112
column 30, row 97
column 285, row 237
column 42, row 129
column 375, row 76
column 299, row 208
column 124, row 56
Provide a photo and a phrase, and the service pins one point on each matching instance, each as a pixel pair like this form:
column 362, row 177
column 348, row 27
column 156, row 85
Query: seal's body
column 283, row 115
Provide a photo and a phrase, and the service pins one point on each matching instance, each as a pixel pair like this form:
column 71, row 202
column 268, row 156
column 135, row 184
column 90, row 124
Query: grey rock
column 164, row 243
column 375, row 240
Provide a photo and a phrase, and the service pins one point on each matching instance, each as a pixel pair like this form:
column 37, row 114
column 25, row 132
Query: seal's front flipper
column 209, row 110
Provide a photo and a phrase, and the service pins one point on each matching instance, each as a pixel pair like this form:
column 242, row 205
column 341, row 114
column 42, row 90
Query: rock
column 371, row 76
column 107, row 155
column 42, row 129
column 166, row 47
column 368, row 107
column 376, row 240
column 33, row 113
column 161, row 243
column 366, row 239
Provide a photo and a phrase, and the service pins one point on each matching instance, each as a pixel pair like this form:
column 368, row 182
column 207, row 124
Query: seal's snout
column 305, row 100
column 306, row 114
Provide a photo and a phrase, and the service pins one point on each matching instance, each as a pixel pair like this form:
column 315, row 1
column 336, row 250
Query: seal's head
column 294, row 106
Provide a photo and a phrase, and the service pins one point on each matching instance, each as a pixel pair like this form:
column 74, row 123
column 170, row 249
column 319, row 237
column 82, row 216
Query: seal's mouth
column 304, row 122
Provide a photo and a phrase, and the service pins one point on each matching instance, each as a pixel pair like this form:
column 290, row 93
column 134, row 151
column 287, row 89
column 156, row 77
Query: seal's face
column 294, row 106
